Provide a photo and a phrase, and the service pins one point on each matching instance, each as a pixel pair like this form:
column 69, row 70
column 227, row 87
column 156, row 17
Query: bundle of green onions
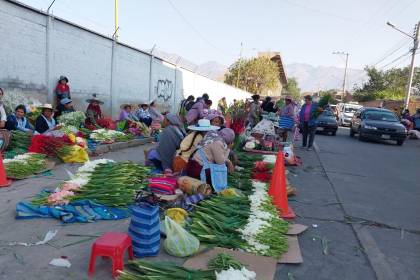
column 25, row 165
column 224, row 261
column 216, row 221
column 19, row 144
column 147, row 270
column 113, row 184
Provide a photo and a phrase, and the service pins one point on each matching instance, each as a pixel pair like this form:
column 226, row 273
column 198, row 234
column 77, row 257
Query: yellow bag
column 177, row 214
column 78, row 155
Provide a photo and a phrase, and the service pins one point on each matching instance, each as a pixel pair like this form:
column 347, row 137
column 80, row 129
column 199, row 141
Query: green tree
column 292, row 89
column 256, row 75
column 389, row 84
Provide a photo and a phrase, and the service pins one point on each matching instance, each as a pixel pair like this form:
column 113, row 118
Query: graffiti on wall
column 164, row 90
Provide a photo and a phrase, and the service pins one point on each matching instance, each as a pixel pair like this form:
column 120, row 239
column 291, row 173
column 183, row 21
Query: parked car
column 326, row 122
column 377, row 124
column 346, row 112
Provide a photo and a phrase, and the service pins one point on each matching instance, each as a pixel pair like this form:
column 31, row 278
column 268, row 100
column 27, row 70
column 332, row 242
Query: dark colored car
column 327, row 122
column 377, row 124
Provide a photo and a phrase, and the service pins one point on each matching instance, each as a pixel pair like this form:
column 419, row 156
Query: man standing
column 307, row 118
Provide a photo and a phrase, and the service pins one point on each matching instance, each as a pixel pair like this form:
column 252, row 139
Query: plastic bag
column 78, row 155
column 179, row 242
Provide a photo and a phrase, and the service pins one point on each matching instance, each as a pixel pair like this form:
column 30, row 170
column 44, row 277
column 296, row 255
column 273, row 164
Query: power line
column 395, row 60
column 319, row 11
column 195, row 29
column 390, row 53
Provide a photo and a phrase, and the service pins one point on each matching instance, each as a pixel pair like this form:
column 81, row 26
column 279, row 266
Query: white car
column 346, row 112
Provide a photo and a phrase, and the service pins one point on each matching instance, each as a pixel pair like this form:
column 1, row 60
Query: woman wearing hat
column 143, row 114
column 287, row 117
column 189, row 145
column 62, row 90
column 94, row 117
column 66, row 107
column 213, row 149
column 162, row 157
column 45, row 122
column 254, row 111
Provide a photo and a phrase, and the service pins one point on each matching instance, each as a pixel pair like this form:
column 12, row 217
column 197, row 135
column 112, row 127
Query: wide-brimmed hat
column 62, row 77
column 65, row 101
column 46, row 106
column 203, row 125
column 152, row 101
column 94, row 99
column 125, row 105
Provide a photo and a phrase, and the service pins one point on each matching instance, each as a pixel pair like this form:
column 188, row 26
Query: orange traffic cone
column 278, row 189
column 4, row 182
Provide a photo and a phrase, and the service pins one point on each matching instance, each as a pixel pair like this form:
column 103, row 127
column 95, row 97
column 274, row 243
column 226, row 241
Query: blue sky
column 304, row 31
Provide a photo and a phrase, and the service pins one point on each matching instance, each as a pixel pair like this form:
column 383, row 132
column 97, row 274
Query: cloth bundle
column 165, row 186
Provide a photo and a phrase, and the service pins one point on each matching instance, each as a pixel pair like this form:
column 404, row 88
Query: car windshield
column 328, row 113
column 350, row 110
column 381, row 116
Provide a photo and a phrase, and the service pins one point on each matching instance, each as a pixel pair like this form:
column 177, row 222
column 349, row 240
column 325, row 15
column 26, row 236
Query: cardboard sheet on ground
column 264, row 267
column 296, row 229
column 293, row 254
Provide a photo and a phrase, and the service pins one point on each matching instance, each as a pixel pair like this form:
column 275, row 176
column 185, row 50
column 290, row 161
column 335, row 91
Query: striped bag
column 286, row 122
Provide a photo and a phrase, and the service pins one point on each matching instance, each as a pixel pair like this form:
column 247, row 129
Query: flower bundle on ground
column 265, row 230
column 22, row 166
column 103, row 181
column 74, row 119
column 106, row 135
column 51, row 145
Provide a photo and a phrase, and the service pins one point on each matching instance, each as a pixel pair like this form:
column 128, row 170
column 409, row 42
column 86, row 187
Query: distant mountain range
column 310, row 78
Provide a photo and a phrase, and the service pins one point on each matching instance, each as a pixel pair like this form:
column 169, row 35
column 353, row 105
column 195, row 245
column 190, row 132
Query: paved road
column 361, row 195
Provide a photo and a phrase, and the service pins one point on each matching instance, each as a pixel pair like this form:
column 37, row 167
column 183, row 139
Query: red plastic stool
column 112, row 245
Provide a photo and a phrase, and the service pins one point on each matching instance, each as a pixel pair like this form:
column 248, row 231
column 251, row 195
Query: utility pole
column 415, row 38
column 345, row 73
column 239, row 67
column 116, row 19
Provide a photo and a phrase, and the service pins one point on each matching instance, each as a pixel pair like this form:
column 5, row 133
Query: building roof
column 276, row 57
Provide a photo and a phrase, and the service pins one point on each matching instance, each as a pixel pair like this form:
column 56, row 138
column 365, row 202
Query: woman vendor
column 126, row 114
column 62, row 90
column 155, row 115
column 3, row 116
column 198, row 111
column 216, row 148
column 162, row 157
column 18, row 121
column 143, row 114
column 45, row 122
column 216, row 120
column 94, row 117
column 66, row 107
column 189, row 145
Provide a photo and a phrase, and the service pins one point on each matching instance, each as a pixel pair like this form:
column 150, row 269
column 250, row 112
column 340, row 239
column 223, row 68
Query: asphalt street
column 362, row 199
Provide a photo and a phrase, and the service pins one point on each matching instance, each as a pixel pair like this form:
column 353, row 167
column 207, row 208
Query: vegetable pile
column 224, row 261
column 139, row 270
column 106, row 135
column 19, row 144
column 25, row 165
column 103, row 181
column 74, row 119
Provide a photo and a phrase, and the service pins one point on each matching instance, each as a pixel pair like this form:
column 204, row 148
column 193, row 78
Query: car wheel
column 361, row 137
column 351, row 132
column 400, row 142
column 334, row 133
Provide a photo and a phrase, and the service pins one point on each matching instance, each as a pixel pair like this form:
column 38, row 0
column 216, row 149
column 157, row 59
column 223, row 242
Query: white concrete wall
column 30, row 67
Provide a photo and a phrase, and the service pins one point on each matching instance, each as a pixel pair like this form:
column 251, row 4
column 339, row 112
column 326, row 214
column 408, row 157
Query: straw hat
column 203, row 125
column 46, row 106
column 65, row 101
column 94, row 99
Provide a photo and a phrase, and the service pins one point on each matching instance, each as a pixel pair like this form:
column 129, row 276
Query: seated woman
column 126, row 114
column 216, row 120
column 216, row 148
column 94, row 117
column 143, row 114
column 189, row 145
column 155, row 115
column 162, row 157
column 18, row 121
column 66, row 107
column 45, row 122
